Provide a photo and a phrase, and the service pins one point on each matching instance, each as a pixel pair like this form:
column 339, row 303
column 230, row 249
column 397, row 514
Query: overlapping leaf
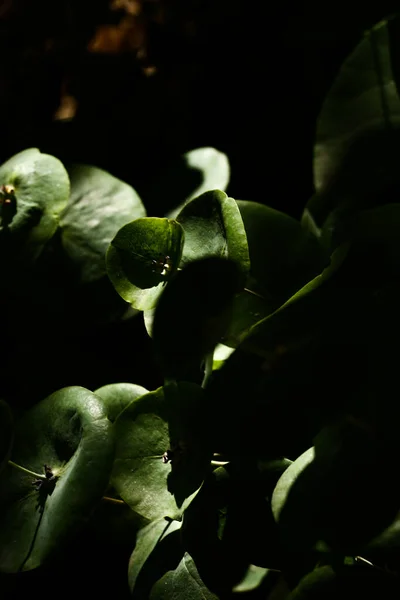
column 169, row 419
column 99, row 206
column 69, row 433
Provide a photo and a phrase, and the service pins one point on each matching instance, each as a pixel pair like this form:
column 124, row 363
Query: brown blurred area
column 128, row 85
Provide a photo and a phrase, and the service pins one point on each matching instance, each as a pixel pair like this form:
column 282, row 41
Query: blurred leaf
column 363, row 97
column 252, row 580
column 166, row 419
column 329, row 583
column 117, row 396
column 183, row 583
column 357, row 147
column 142, row 257
column 35, row 190
column 99, row 206
column 157, row 550
column 6, row 433
column 194, row 173
column 70, row 433
column 193, row 314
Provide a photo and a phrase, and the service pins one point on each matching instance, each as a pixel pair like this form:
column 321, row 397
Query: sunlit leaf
column 142, row 257
column 34, row 191
column 117, row 396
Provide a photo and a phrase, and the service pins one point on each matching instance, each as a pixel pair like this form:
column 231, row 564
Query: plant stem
column 253, row 293
column 13, row 464
column 113, row 500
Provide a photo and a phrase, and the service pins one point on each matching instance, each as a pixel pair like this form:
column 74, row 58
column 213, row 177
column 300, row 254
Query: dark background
column 245, row 77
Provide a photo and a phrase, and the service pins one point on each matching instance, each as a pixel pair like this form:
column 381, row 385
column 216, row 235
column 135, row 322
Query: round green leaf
column 192, row 174
column 142, row 257
column 214, row 227
column 70, row 433
column 6, row 433
column 117, row 396
column 34, row 191
column 158, row 549
column 193, row 314
column 99, row 206
column 168, row 419
column 183, row 583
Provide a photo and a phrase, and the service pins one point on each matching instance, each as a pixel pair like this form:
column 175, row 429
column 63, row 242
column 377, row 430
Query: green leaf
column 99, row 206
column 287, row 480
column 157, row 550
column 283, row 258
column 117, row 396
column 183, row 583
column 193, row 314
column 357, row 145
column 170, row 418
column 335, row 583
column 214, row 228
column 37, row 188
column 217, row 532
column 70, row 433
column 252, row 580
column 344, row 495
column 191, row 175
column 279, row 359
column 6, row 433
column 142, row 257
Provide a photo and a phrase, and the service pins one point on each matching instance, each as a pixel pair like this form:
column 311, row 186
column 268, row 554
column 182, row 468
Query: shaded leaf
column 283, row 258
column 142, row 257
column 192, row 315
column 183, row 583
column 363, row 97
column 287, row 480
column 70, row 433
column 157, row 550
column 328, row 583
column 99, row 206
column 34, row 193
column 167, row 419
column 357, row 146
column 117, row 396
column 344, row 496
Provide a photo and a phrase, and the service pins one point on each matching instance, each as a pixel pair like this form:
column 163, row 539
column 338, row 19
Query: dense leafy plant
column 263, row 467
